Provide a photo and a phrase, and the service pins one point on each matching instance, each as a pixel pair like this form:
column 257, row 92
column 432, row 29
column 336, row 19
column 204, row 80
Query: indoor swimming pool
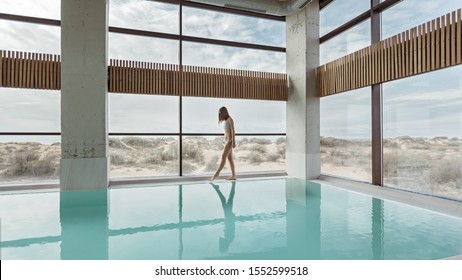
column 279, row 218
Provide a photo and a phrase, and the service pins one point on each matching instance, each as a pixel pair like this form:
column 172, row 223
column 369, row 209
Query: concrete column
column 303, row 116
column 84, row 142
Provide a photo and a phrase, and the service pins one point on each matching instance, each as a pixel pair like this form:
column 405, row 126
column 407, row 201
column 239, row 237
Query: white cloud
column 138, row 48
column 25, row 110
column 144, row 15
column 340, row 12
column 35, row 8
column 28, row 37
column 232, row 58
column 352, row 40
column 143, row 113
column 410, row 13
column 230, row 27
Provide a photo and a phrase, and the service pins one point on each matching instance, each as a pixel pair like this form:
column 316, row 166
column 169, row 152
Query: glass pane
column 197, row 54
column 50, row 9
column 223, row 26
column 423, row 133
column 339, row 12
column 347, row 42
column 200, row 115
column 144, row 15
column 146, row 49
column 201, row 155
column 346, row 135
column 28, row 110
column 410, row 13
column 135, row 156
column 29, row 159
column 32, row 37
column 138, row 113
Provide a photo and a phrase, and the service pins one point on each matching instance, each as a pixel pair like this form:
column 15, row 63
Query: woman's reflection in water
column 230, row 218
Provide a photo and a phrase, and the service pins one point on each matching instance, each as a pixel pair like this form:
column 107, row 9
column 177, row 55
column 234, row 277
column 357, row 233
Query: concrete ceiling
column 271, row 7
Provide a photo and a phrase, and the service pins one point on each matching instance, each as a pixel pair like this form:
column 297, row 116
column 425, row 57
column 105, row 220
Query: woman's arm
column 233, row 134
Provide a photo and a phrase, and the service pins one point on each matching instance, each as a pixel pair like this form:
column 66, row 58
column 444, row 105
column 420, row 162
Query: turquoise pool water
column 248, row 219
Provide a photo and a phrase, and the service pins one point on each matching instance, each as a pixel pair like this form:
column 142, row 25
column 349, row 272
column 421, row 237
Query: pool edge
column 436, row 204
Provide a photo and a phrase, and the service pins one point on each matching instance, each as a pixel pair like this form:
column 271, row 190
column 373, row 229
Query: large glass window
column 339, row 12
column 156, row 155
column 410, row 13
column 223, row 26
column 422, row 133
column 346, row 135
column 347, row 42
column 50, row 9
column 144, row 15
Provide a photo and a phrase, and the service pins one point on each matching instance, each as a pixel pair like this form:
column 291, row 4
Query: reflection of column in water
column 377, row 229
column 303, row 219
column 84, row 224
column 180, row 222
column 230, row 218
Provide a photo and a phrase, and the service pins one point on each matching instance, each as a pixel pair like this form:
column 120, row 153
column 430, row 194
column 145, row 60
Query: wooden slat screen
column 30, row 70
column 143, row 77
column 164, row 79
column 427, row 47
column 43, row 71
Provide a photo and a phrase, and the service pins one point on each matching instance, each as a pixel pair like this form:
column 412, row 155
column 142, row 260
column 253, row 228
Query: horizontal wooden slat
column 427, row 47
column 43, row 71
column 165, row 79
column 29, row 70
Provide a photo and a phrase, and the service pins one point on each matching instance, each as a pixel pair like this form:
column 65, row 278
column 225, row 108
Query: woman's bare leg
column 226, row 150
column 231, row 165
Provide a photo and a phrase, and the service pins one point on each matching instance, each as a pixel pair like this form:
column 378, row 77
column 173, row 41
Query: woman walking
column 230, row 143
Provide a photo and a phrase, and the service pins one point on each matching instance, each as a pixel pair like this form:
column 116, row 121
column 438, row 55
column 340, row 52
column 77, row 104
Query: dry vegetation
column 29, row 159
column 419, row 164
column 138, row 157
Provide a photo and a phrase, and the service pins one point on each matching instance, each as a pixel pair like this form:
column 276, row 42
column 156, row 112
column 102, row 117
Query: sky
column 421, row 106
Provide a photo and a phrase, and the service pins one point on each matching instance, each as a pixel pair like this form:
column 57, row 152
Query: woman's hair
column 223, row 114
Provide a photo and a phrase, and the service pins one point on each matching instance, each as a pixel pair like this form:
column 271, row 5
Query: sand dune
column 431, row 166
